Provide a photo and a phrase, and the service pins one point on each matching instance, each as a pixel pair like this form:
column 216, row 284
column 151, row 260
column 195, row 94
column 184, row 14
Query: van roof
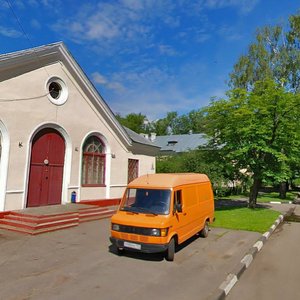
column 168, row 180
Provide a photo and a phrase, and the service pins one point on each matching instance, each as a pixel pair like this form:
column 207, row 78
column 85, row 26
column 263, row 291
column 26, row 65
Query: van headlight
column 115, row 227
column 158, row 232
column 155, row 232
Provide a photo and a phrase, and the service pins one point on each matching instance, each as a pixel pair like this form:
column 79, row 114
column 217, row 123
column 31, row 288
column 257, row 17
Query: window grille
column 93, row 162
column 133, row 169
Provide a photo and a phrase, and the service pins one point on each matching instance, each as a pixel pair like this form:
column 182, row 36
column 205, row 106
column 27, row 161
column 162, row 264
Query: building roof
column 140, row 141
column 20, row 62
column 167, row 180
column 139, row 138
column 180, row 143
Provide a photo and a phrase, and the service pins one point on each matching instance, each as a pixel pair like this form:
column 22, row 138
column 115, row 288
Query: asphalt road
column 275, row 272
column 77, row 264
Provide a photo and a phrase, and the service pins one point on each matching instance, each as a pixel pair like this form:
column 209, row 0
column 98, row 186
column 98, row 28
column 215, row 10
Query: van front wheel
column 120, row 251
column 171, row 250
column 205, row 230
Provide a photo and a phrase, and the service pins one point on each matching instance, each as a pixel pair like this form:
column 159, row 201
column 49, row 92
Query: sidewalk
column 275, row 272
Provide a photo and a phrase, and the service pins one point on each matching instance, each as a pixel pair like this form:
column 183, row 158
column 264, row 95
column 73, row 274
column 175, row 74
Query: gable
column 16, row 64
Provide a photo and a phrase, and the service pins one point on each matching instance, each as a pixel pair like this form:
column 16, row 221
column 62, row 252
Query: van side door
column 180, row 219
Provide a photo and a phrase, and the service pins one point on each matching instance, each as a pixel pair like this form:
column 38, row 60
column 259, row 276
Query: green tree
column 257, row 131
column 197, row 121
column 135, row 122
column 166, row 125
column 275, row 55
column 174, row 124
column 209, row 162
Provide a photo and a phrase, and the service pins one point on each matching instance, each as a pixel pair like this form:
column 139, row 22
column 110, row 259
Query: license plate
column 132, row 245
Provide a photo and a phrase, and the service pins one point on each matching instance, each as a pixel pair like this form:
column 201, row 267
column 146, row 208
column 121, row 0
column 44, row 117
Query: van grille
column 135, row 230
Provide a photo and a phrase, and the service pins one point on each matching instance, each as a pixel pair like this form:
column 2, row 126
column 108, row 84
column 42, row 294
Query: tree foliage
column 135, row 122
column 275, row 55
column 256, row 128
column 199, row 161
column 171, row 124
column 257, row 131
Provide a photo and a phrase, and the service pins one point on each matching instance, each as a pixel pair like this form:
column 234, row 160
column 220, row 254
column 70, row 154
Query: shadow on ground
column 152, row 256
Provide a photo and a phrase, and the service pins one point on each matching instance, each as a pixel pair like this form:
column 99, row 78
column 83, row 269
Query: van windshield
column 147, row 201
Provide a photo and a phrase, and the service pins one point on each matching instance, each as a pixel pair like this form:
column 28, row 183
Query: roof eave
column 17, row 63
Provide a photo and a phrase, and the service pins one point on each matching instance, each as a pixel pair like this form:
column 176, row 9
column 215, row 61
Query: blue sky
column 148, row 56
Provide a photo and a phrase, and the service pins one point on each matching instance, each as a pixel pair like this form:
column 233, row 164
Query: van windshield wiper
column 129, row 209
column 142, row 209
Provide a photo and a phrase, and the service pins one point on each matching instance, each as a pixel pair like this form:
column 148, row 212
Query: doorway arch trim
column 67, row 161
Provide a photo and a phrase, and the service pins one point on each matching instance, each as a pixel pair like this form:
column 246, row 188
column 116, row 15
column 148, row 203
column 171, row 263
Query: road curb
column 232, row 278
column 280, row 202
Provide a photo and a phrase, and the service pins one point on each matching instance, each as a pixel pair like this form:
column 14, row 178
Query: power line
column 19, row 23
column 23, row 31
column 25, row 99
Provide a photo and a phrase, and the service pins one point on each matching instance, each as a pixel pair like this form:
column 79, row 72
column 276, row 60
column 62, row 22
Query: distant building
column 175, row 144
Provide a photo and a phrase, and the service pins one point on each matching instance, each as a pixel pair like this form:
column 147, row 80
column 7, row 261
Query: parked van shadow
column 152, row 256
column 138, row 255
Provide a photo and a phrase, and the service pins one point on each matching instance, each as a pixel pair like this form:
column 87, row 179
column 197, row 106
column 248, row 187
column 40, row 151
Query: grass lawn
column 258, row 219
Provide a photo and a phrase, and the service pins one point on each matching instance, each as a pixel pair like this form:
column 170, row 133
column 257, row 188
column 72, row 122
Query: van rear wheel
column 205, row 230
column 170, row 253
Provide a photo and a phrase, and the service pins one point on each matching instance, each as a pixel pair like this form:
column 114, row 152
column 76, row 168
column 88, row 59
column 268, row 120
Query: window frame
column 63, row 94
column 85, row 162
column 129, row 169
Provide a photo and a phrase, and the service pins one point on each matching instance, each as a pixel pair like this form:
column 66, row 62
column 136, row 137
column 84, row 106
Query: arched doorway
column 46, row 168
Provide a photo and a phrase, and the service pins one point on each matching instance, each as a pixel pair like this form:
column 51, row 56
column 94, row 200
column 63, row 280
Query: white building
column 58, row 136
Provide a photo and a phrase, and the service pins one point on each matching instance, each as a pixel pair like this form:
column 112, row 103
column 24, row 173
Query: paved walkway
column 54, row 209
column 275, row 272
column 77, row 264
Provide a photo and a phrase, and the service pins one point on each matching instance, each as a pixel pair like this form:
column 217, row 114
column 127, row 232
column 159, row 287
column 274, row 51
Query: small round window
column 57, row 91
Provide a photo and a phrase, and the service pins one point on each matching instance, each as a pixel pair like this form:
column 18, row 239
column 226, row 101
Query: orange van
column 159, row 211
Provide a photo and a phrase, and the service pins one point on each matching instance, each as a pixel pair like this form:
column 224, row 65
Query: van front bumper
column 137, row 246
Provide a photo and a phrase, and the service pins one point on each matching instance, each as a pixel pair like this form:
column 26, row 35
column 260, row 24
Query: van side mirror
column 178, row 207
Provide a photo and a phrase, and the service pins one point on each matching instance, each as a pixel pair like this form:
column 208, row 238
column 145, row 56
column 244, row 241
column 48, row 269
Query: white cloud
column 133, row 4
column 114, row 26
column 202, row 37
column 244, row 6
column 49, row 3
column 35, row 24
column 167, row 50
column 10, row 32
column 156, row 91
column 99, row 79
column 229, row 33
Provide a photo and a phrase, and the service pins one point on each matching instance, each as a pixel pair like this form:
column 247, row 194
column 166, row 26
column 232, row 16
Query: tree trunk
column 282, row 190
column 254, row 193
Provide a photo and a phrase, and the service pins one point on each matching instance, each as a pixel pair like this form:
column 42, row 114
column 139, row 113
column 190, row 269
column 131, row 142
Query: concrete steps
column 37, row 224
column 90, row 214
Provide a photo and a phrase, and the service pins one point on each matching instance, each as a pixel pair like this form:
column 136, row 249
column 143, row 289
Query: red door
column 46, row 168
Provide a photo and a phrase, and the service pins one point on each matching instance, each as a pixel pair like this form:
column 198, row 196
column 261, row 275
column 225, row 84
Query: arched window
column 93, row 162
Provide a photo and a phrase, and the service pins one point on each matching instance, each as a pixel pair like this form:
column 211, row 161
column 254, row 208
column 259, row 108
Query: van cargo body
column 159, row 211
